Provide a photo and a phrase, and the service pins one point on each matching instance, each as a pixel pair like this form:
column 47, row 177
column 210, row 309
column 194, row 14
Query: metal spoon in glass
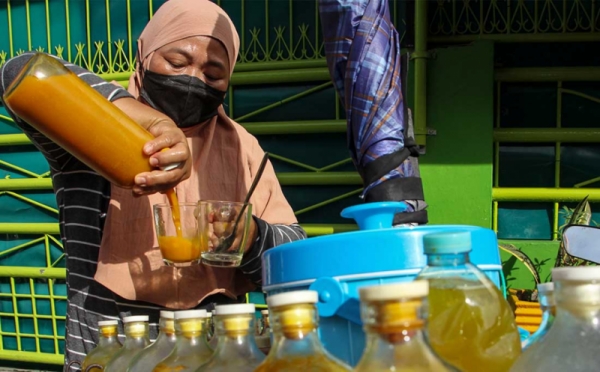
column 228, row 241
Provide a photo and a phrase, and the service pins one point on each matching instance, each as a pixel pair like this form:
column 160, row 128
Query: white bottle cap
column 190, row 314
column 264, row 312
column 396, row 291
column 291, row 298
column 135, row 318
column 545, row 287
column 580, row 273
column 103, row 323
column 167, row 314
column 209, row 314
column 235, row 309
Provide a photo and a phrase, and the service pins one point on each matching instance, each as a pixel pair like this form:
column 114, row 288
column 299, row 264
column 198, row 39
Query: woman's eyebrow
column 216, row 63
column 183, row 52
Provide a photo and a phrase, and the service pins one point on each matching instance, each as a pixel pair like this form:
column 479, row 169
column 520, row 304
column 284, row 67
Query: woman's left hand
column 221, row 228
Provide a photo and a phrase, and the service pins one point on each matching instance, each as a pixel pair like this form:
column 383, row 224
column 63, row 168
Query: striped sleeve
column 269, row 236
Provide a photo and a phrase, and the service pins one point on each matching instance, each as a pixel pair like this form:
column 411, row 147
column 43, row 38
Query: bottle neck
column 191, row 332
column 235, row 332
column 577, row 301
column 295, row 330
column 455, row 259
column 394, row 322
column 108, row 336
column 136, row 334
column 166, row 329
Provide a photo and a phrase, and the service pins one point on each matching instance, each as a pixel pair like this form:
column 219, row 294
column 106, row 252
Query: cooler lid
column 376, row 249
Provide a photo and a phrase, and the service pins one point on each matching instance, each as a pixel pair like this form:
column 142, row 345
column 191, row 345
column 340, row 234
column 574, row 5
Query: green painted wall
column 457, row 168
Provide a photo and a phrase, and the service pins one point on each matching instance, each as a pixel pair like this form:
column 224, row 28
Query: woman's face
column 199, row 56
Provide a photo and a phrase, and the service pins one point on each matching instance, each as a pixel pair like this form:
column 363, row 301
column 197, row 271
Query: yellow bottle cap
column 108, row 328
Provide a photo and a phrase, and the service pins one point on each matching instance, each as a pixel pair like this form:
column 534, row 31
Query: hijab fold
column 225, row 159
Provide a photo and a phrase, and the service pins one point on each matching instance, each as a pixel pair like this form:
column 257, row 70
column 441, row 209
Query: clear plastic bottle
column 572, row 344
column 191, row 349
column 470, row 324
column 236, row 350
column 148, row 358
column 296, row 346
column 264, row 332
column 393, row 320
column 108, row 346
column 136, row 339
column 548, row 307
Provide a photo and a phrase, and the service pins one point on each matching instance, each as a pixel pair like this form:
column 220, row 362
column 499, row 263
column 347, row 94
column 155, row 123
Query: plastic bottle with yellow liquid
column 191, row 348
column 470, row 324
column 136, row 339
column 548, row 307
column 296, row 346
column 236, row 350
column 148, row 358
column 393, row 317
column 108, row 346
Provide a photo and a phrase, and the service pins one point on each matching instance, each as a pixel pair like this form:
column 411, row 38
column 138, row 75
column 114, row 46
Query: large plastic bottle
column 136, row 339
column 296, row 346
column 236, row 350
column 471, row 326
column 393, row 319
column 108, row 346
column 548, row 307
column 573, row 342
column 60, row 105
column 148, row 358
column 191, row 348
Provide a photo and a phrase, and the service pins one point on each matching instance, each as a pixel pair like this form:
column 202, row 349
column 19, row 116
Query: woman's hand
column 168, row 150
column 220, row 228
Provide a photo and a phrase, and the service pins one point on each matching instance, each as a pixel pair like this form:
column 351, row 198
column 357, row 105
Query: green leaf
column 521, row 256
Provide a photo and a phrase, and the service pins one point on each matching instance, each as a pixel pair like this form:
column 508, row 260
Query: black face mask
column 184, row 98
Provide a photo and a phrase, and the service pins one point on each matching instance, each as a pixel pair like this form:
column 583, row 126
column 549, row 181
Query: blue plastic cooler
column 337, row 265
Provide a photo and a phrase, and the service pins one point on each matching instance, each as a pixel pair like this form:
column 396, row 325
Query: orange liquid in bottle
column 73, row 115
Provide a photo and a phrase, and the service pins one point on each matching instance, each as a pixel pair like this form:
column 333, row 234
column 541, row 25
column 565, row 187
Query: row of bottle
column 185, row 341
column 450, row 318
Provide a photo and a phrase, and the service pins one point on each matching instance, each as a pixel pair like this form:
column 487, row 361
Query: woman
column 186, row 55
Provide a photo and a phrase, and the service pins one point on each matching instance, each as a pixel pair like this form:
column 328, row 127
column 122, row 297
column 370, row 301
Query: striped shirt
column 82, row 197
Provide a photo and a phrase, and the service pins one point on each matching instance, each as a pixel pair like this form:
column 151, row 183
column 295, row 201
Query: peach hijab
column 225, row 159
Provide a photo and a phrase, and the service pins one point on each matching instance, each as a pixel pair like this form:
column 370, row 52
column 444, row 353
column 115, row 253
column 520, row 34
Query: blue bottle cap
column 447, row 243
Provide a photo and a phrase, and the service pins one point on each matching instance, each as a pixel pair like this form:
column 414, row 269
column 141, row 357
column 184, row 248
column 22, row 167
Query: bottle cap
column 291, row 298
column 235, row 309
column 386, row 292
column 135, row 318
column 104, row 323
column 579, row 273
column 545, row 287
column 167, row 314
column 447, row 243
column 209, row 314
column 190, row 314
column 264, row 312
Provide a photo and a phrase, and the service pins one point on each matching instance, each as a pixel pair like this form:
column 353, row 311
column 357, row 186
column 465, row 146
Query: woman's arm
column 269, row 236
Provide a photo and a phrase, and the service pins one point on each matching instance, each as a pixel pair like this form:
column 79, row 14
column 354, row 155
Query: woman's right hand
column 168, row 150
